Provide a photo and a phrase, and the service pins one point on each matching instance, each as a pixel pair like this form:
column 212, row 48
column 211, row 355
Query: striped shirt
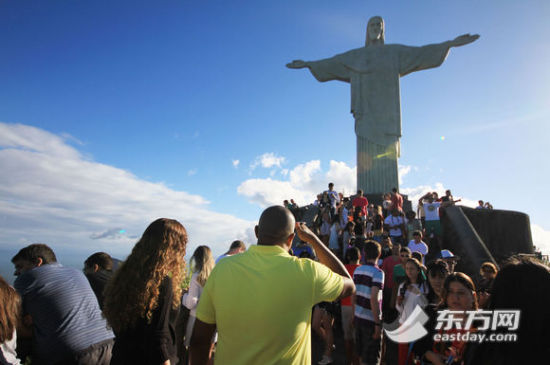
column 64, row 310
column 365, row 278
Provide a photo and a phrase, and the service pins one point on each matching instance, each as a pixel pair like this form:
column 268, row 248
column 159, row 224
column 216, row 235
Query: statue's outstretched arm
column 297, row 64
column 464, row 39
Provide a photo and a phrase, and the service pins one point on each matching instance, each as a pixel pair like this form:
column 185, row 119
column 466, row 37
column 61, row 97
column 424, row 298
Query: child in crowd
column 367, row 303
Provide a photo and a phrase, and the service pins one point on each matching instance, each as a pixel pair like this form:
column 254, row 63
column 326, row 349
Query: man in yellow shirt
column 260, row 301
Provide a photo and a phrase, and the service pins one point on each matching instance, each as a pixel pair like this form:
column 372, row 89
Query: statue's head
column 375, row 31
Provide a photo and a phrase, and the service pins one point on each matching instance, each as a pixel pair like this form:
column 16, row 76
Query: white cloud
column 541, row 238
column 403, row 170
column 267, row 192
column 417, row 192
column 343, row 177
column 192, row 172
column 267, row 160
column 302, row 184
column 302, row 174
column 49, row 193
column 235, row 163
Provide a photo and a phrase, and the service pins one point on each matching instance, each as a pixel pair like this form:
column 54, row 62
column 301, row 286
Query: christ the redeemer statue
column 373, row 72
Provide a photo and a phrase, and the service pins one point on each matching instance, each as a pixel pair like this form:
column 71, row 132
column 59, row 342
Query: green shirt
column 261, row 303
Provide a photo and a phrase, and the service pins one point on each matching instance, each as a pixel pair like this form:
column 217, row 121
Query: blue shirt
column 365, row 278
column 65, row 312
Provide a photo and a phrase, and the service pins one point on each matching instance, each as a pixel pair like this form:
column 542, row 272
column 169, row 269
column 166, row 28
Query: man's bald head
column 275, row 226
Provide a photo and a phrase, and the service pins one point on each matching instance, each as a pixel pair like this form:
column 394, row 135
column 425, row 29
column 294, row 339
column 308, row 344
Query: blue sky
column 115, row 113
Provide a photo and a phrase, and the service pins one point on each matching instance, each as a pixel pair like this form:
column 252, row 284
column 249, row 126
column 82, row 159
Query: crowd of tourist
column 359, row 265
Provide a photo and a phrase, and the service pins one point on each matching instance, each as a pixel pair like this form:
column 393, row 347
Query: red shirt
column 351, row 269
column 387, row 266
column 361, row 202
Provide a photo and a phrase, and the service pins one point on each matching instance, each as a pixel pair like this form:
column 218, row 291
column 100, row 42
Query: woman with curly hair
column 9, row 317
column 143, row 297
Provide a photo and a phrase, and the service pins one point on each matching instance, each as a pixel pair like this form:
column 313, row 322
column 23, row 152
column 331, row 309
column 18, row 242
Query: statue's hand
column 464, row 39
column 297, row 64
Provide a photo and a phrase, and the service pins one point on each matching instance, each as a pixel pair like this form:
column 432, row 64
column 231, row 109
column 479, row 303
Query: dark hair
column 359, row 192
column 101, row 259
column 352, row 255
column 394, row 190
column 410, row 214
column 35, row 251
column 435, row 268
column 372, row 250
column 521, row 284
column 417, row 255
column 419, row 277
column 237, row 244
column 417, row 233
column 305, row 254
column 462, row 279
column 405, row 249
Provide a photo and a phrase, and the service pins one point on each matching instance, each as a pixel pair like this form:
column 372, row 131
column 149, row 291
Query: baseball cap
column 446, row 254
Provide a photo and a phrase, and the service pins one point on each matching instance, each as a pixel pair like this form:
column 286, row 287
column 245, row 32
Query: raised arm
column 463, row 40
column 297, row 64
column 328, row 69
column 326, row 257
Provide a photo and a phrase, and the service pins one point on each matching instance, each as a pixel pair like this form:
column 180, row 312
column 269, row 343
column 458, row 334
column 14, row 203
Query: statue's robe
column 373, row 72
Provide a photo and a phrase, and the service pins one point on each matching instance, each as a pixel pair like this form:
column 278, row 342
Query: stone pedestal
column 377, row 166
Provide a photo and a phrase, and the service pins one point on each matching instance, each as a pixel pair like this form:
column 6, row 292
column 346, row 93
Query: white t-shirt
column 333, row 239
column 418, row 247
column 7, row 351
column 431, row 211
column 411, row 301
column 334, row 197
column 394, row 221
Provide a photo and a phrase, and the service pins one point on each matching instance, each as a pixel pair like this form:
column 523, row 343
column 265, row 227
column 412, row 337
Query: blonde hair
column 202, row 263
column 10, row 306
column 134, row 290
